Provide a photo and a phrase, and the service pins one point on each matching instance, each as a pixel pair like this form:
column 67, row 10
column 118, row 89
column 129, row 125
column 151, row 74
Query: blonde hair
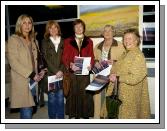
column 112, row 28
column 48, row 25
column 19, row 23
column 135, row 32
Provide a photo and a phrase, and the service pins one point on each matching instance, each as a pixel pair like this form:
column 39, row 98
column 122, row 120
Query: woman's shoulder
column 45, row 40
column 120, row 44
column 14, row 39
column 61, row 39
column 136, row 53
column 99, row 45
column 69, row 38
column 139, row 53
column 44, row 43
column 14, row 36
column 120, row 47
column 88, row 39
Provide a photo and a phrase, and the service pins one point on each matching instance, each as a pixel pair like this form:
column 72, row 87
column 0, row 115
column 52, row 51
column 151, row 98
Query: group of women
column 126, row 58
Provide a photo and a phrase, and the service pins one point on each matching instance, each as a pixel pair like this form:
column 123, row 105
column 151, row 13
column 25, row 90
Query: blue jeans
column 56, row 105
column 33, row 91
column 26, row 112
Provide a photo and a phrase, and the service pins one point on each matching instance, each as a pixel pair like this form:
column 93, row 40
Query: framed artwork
column 122, row 17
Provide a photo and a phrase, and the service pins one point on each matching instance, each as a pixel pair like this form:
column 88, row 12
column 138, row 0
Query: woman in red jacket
column 79, row 102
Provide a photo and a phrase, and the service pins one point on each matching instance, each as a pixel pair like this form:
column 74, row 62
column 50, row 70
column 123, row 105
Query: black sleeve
column 32, row 75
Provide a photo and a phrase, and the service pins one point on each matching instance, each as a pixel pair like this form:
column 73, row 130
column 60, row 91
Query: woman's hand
column 59, row 74
column 42, row 73
column 110, row 62
column 37, row 78
column 113, row 77
column 89, row 68
column 73, row 67
column 97, row 65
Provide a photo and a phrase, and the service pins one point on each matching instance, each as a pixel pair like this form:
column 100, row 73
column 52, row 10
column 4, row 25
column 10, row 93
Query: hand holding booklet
column 102, row 65
column 101, row 77
column 54, row 83
column 83, row 63
column 99, row 82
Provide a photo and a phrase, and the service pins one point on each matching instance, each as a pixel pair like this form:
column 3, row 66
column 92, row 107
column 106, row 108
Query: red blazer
column 71, row 50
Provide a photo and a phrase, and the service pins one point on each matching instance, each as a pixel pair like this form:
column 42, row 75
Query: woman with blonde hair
column 108, row 50
column 133, row 86
column 52, row 48
column 22, row 56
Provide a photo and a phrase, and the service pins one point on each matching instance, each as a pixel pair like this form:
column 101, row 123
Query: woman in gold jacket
column 107, row 50
column 133, row 86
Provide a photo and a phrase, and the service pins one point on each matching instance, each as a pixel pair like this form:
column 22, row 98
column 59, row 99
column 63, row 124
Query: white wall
column 151, row 88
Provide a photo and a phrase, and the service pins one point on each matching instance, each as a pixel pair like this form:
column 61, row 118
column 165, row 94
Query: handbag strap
column 116, row 87
column 37, row 46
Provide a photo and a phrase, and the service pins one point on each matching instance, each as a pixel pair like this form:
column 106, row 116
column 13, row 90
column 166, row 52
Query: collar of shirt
column 56, row 42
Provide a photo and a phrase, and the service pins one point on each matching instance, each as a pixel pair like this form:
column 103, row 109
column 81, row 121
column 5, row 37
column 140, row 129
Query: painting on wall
column 121, row 17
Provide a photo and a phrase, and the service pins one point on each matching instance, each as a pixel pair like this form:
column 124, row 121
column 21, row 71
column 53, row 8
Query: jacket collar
column 50, row 43
column 74, row 43
column 115, row 43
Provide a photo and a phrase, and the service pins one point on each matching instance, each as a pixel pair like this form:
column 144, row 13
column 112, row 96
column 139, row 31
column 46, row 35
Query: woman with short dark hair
column 79, row 102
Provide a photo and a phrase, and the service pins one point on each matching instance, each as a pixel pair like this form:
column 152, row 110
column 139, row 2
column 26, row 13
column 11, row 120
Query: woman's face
column 130, row 40
column 108, row 34
column 26, row 25
column 78, row 28
column 53, row 30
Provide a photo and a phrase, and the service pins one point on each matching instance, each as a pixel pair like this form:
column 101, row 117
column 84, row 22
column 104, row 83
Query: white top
column 56, row 41
column 104, row 55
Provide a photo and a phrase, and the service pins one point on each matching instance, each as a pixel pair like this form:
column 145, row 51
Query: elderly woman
column 108, row 50
column 133, row 86
column 22, row 55
column 79, row 103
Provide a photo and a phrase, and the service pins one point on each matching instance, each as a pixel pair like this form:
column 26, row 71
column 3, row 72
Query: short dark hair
column 79, row 21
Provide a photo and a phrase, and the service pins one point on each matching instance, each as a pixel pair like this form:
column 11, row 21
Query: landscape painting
column 121, row 17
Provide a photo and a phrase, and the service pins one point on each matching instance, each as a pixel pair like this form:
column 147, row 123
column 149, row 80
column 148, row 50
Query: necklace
column 104, row 54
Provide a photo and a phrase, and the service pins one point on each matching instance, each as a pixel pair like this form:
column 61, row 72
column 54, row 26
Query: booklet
column 54, row 83
column 98, row 83
column 106, row 71
column 101, row 76
column 83, row 63
column 103, row 65
column 32, row 84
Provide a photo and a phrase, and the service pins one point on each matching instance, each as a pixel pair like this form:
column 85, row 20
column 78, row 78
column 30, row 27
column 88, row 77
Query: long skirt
column 79, row 103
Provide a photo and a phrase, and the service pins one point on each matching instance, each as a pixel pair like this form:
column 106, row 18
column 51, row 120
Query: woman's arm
column 13, row 57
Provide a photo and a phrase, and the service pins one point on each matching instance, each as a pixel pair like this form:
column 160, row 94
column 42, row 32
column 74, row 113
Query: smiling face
column 26, row 25
column 79, row 29
column 130, row 40
column 53, row 30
